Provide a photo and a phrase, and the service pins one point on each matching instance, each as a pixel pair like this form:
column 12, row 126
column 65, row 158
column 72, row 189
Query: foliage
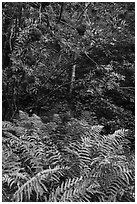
column 46, row 42
column 60, row 163
column 70, row 66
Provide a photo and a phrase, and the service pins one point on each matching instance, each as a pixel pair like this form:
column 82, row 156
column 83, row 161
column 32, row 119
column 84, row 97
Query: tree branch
column 61, row 11
column 90, row 58
column 67, row 24
column 82, row 13
column 47, row 96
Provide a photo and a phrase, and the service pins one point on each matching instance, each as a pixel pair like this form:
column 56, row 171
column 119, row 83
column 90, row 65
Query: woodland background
column 68, row 101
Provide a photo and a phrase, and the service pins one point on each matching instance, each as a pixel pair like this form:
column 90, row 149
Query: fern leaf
column 34, row 185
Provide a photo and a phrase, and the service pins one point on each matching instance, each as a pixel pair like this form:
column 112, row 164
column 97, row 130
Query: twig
column 52, row 71
column 67, row 24
column 47, row 96
column 40, row 13
column 61, row 11
column 127, row 87
column 90, row 58
column 86, row 15
column 82, row 12
column 10, row 39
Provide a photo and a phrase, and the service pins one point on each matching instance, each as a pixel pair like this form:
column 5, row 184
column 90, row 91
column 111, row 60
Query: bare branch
column 82, row 13
column 90, row 58
column 61, row 11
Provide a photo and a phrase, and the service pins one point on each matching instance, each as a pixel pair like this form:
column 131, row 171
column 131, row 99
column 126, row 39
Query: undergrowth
column 72, row 162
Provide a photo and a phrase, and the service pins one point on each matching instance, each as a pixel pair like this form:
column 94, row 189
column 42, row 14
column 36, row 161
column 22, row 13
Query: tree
column 47, row 54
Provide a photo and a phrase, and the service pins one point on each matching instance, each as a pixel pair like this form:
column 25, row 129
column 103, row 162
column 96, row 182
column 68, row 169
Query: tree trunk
column 72, row 78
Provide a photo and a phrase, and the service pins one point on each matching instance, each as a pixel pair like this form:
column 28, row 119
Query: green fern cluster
column 65, row 163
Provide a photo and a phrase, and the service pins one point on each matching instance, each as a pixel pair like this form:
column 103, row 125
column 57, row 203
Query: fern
column 40, row 163
column 35, row 185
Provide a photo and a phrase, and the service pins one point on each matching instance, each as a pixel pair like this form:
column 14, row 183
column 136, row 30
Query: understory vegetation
column 68, row 102
column 54, row 162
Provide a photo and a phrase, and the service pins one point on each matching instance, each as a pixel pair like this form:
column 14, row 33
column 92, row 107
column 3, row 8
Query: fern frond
column 66, row 191
column 6, row 178
column 34, row 4
column 41, row 163
column 34, row 185
column 6, row 125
